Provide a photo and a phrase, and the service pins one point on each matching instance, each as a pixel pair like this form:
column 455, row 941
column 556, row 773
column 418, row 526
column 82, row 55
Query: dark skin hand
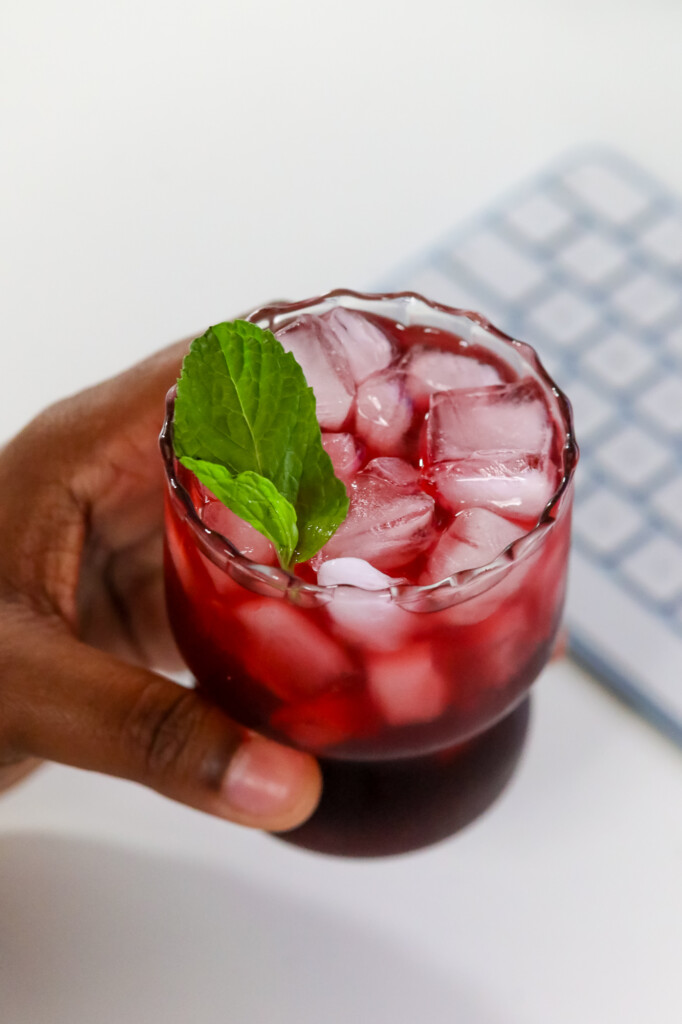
column 83, row 622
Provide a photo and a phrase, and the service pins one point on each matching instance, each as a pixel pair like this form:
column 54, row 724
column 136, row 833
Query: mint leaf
column 254, row 498
column 243, row 405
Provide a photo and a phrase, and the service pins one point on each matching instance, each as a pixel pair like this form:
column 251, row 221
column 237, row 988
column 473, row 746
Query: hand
column 82, row 617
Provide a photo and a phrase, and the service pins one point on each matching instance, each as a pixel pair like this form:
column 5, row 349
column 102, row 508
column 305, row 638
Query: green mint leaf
column 254, row 498
column 243, row 404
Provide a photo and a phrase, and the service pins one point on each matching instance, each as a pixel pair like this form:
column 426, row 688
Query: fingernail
column 265, row 780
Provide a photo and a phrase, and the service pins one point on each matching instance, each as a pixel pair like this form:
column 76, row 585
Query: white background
column 168, row 165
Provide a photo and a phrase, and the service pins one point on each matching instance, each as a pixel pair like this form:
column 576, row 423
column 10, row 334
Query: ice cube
column 474, row 539
column 485, row 531
column 390, row 521
column 327, row 720
column 384, row 412
column 516, row 583
column 402, row 477
column 245, row 537
column 370, row 619
column 492, row 449
column 406, row 685
column 346, row 454
column 283, row 649
column 364, row 344
column 354, row 571
column 431, row 370
column 325, row 368
column 507, row 417
column 519, row 486
column 515, row 635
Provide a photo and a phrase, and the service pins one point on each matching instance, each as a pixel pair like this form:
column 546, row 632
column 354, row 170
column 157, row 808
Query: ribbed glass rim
column 407, row 308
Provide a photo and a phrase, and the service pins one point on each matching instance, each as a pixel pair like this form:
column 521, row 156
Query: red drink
column 375, row 808
column 426, row 617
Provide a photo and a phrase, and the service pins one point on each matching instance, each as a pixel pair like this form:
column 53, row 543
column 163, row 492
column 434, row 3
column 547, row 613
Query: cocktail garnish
column 245, row 425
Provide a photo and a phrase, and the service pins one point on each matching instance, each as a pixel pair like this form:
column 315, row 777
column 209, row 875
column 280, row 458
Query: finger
column 11, row 774
column 90, row 473
column 112, row 434
column 64, row 701
column 123, row 608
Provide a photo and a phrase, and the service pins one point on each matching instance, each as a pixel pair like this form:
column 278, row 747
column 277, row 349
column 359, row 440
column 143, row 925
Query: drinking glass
column 395, row 690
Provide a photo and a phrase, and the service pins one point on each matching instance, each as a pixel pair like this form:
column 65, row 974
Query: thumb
column 67, row 702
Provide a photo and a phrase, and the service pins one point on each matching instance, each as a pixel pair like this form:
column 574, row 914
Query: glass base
column 378, row 809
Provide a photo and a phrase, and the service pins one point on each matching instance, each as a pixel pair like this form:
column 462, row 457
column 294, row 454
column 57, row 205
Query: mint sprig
column 245, row 425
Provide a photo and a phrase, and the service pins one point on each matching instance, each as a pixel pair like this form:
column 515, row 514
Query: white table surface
column 167, row 165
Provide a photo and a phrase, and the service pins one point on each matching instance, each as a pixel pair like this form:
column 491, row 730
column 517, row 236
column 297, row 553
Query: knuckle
column 165, row 732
